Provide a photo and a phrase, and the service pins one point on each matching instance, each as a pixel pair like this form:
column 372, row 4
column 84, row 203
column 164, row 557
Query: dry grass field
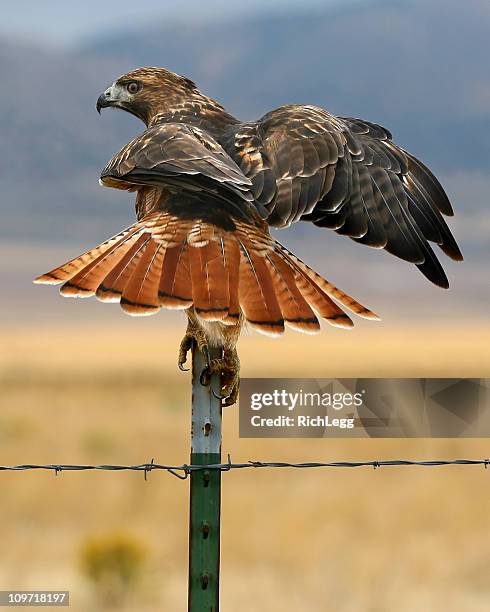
column 404, row 539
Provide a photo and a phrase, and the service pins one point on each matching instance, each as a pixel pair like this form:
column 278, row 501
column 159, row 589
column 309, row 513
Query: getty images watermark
column 367, row 407
column 300, row 400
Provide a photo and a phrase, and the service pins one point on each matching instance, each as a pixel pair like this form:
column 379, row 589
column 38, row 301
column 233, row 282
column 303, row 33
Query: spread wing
column 174, row 157
column 345, row 174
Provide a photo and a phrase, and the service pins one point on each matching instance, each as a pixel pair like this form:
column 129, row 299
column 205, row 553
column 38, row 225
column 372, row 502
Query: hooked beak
column 116, row 96
column 106, row 99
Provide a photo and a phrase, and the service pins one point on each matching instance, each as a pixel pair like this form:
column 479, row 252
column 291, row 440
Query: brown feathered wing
column 346, row 174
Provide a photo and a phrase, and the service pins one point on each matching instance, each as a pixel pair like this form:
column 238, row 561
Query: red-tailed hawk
column 209, row 186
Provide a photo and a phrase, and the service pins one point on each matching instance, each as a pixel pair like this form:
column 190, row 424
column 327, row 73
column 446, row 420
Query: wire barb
column 149, row 468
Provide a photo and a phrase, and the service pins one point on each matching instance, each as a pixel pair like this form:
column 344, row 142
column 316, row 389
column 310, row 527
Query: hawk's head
column 145, row 92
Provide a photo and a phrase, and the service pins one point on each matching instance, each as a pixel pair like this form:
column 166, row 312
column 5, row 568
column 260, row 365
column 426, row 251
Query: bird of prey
column 208, row 189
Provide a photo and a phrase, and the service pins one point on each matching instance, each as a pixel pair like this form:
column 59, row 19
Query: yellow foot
column 229, row 369
column 192, row 335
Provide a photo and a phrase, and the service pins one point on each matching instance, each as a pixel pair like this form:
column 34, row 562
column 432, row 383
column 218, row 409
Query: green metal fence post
column 205, row 491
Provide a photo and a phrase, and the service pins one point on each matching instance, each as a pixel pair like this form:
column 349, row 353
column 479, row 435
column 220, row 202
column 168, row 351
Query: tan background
column 347, row 540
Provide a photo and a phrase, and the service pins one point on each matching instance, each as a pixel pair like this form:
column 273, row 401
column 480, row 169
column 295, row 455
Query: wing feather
column 346, row 174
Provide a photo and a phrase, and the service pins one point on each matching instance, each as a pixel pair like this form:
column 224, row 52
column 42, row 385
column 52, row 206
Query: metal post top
column 206, row 408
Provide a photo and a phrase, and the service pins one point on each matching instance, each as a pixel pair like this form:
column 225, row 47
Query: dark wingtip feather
column 452, row 250
column 435, row 274
column 431, row 184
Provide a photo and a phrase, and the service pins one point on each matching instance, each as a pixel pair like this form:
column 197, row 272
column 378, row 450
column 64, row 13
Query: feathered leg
column 193, row 335
column 202, row 334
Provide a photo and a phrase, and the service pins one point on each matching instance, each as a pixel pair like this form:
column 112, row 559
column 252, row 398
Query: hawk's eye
column 133, row 87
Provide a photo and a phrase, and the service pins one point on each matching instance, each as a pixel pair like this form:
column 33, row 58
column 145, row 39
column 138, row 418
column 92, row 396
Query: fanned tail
column 166, row 261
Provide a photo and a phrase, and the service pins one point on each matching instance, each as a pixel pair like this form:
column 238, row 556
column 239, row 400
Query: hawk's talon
column 205, row 377
column 217, row 396
column 193, row 337
column 227, row 366
column 232, row 398
column 207, row 356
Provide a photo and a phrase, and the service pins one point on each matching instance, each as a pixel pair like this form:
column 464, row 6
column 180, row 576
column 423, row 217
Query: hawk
column 209, row 188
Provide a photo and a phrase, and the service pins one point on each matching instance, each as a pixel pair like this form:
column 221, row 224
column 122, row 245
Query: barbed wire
column 184, row 470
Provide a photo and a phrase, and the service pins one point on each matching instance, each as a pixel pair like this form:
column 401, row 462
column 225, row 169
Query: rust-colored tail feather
column 88, row 279
column 231, row 251
column 175, row 289
column 165, row 261
column 209, row 279
column 257, row 294
column 140, row 295
column 87, row 260
column 295, row 309
column 113, row 284
column 323, row 286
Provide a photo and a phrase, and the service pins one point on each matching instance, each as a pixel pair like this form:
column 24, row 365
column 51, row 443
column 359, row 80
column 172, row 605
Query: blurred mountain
column 414, row 66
